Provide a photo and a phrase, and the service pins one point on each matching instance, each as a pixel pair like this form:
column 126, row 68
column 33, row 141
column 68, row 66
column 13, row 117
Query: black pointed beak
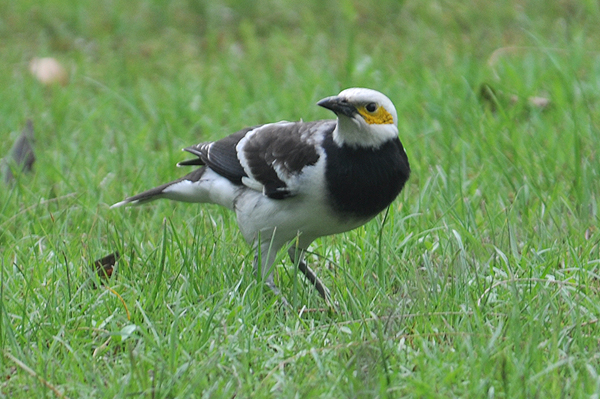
column 339, row 105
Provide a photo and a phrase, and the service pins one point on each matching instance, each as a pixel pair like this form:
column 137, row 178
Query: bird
column 293, row 182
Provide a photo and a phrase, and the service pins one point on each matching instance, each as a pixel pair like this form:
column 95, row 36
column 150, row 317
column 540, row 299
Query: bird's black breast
column 362, row 182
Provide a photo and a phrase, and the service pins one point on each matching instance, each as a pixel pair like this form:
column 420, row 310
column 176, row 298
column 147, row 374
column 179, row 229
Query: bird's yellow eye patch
column 378, row 117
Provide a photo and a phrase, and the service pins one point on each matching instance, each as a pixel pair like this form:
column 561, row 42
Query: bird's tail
column 179, row 190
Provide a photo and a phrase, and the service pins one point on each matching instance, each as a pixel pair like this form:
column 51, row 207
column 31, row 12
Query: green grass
column 483, row 281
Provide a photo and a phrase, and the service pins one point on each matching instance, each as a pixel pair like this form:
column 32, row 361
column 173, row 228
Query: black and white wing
column 220, row 156
column 275, row 155
column 267, row 158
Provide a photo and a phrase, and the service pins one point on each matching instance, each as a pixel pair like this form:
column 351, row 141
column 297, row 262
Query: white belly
column 284, row 220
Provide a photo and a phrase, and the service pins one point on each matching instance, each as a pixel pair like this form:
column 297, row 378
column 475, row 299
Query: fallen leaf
column 21, row 156
column 105, row 266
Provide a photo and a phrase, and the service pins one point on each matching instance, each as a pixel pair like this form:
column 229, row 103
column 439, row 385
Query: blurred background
column 167, row 73
column 488, row 263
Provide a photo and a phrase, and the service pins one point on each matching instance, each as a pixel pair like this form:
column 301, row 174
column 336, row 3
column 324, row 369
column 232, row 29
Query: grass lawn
column 482, row 281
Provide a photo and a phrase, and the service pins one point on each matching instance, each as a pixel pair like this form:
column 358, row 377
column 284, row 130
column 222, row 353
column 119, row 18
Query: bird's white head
column 366, row 118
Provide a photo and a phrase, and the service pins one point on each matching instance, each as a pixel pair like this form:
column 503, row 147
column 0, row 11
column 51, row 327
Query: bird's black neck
column 362, row 182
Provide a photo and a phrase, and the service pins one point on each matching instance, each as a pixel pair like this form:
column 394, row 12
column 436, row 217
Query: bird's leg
column 297, row 256
column 263, row 268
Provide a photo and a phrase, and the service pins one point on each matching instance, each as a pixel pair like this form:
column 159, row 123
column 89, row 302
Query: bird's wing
column 275, row 155
column 268, row 158
column 220, row 156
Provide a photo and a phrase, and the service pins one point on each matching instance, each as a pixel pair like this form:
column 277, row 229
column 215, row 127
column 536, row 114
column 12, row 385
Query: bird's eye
column 371, row 107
